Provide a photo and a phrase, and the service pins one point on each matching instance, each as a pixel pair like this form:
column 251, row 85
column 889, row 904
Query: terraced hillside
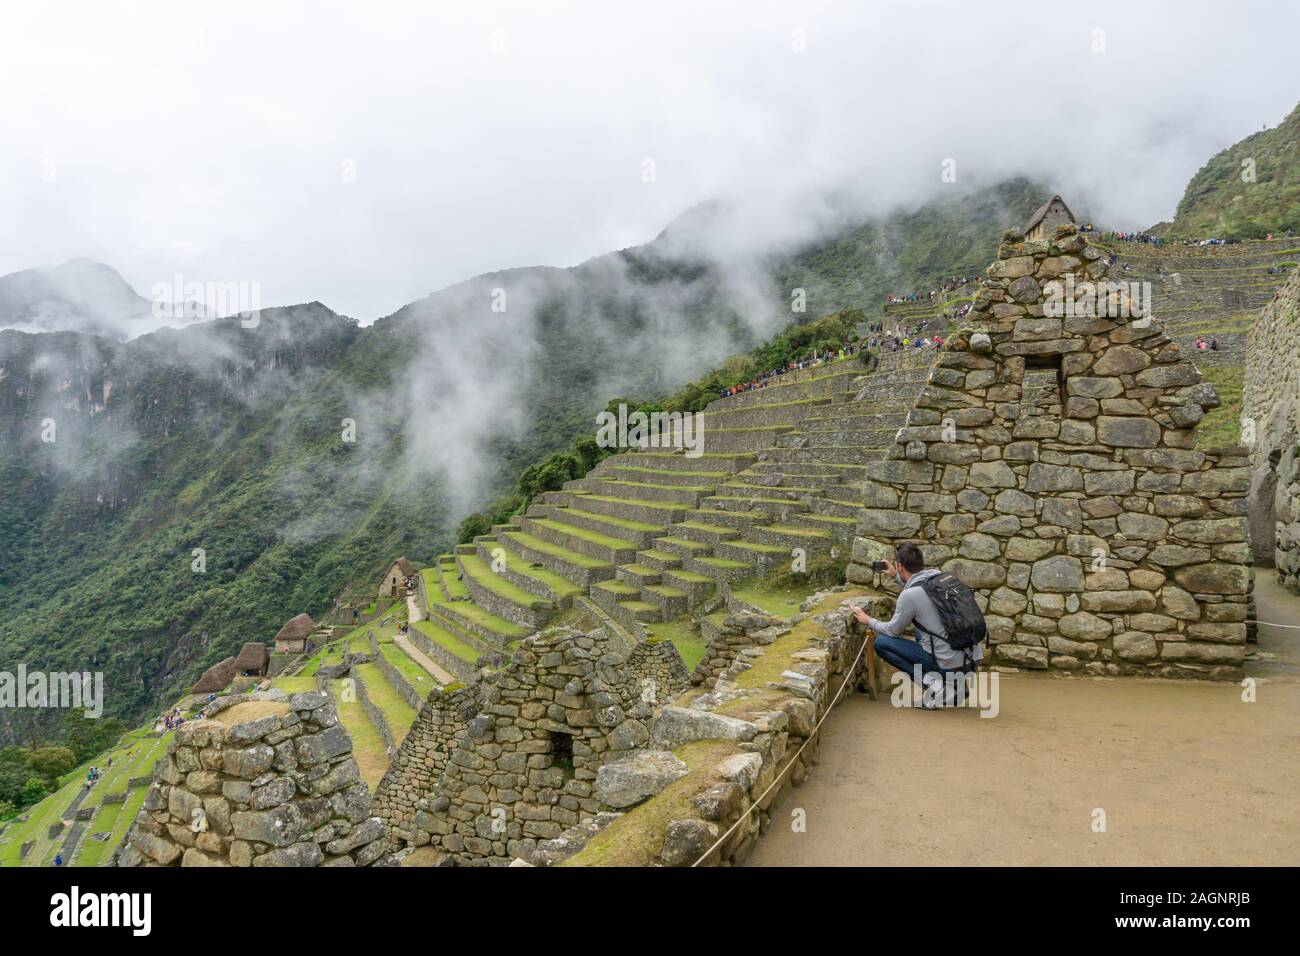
column 655, row 538
column 83, row 825
column 377, row 699
column 937, row 312
column 1211, row 292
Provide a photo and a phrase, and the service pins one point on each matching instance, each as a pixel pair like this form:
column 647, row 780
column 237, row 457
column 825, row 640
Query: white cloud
column 212, row 141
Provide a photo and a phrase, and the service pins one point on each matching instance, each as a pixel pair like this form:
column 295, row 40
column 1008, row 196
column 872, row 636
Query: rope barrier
column 835, row 700
column 781, row 776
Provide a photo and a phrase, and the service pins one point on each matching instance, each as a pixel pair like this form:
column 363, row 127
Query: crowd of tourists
column 907, row 343
column 952, row 282
column 170, row 720
column 767, row 378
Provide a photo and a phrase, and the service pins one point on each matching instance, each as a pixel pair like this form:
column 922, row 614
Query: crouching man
column 932, row 650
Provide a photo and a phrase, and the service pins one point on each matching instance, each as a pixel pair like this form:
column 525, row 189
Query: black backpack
column 963, row 622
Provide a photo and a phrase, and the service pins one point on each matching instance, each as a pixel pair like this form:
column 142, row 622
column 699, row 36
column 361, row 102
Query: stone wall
column 658, row 669
column 394, row 677
column 438, row 730
column 264, row 779
column 1050, row 463
column 702, row 788
column 511, row 760
column 458, row 668
column 1270, row 408
column 738, row 631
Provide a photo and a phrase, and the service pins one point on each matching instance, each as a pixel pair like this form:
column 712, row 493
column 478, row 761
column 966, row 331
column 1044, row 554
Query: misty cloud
column 364, row 155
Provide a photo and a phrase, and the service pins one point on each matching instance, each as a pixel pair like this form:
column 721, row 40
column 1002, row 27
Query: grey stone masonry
column 512, row 759
column 262, row 779
column 1050, row 462
column 1270, row 412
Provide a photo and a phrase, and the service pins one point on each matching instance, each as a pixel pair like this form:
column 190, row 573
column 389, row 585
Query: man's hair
column 909, row 556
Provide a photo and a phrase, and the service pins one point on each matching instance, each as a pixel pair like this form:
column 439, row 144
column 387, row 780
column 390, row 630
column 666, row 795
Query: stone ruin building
column 1050, row 462
column 263, row 779
column 491, row 769
column 1271, row 429
column 1047, row 217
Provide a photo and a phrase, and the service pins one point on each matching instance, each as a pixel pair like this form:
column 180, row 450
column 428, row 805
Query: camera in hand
column 877, row 565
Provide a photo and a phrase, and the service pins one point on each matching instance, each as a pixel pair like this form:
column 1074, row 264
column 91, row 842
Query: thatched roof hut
column 252, row 658
column 216, row 677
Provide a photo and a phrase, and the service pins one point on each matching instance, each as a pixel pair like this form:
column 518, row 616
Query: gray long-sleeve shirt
column 915, row 607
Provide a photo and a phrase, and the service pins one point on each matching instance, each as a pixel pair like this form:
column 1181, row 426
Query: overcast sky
column 366, row 154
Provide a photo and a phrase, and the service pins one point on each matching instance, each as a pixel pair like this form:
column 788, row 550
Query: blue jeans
column 904, row 654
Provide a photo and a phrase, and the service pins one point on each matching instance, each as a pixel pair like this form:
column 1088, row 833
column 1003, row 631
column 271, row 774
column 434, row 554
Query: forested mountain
column 297, row 456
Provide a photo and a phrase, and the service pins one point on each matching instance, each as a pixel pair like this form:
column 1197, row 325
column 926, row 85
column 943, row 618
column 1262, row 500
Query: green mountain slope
column 1218, row 202
column 229, row 440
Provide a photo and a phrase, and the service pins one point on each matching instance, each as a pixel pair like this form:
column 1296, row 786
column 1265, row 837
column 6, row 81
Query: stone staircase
column 650, row 535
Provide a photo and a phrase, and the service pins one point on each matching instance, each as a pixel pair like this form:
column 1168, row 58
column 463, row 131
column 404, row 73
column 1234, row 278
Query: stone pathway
column 424, row 660
column 1186, row 771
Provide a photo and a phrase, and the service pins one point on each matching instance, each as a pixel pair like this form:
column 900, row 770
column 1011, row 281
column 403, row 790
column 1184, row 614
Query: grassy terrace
column 469, row 612
column 559, row 585
column 432, row 583
column 658, row 505
column 134, row 756
column 447, row 641
column 300, row 684
column 415, row 675
column 1222, row 426
column 545, row 547
column 455, row 587
column 633, row 472
column 684, row 636
column 367, row 745
column 482, row 573
column 383, row 695
column 624, row 523
column 604, row 540
column 777, row 601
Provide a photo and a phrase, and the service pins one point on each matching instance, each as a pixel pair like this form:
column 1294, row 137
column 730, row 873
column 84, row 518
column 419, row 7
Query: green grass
column 432, row 583
column 447, row 641
column 367, row 744
column 300, row 684
column 471, row 612
column 684, row 636
column 777, row 601
column 595, row 537
column 1221, row 426
column 415, row 675
column 618, row 522
column 482, row 573
column 554, row 550
column 558, row 585
column 134, row 756
column 384, row 695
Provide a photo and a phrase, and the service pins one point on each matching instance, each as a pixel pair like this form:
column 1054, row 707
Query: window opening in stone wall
column 1042, row 391
column 562, row 752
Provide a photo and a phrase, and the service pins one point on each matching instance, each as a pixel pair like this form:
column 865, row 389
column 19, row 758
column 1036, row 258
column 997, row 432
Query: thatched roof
column 405, row 567
column 252, row 657
column 296, row 628
column 216, row 677
column 1041, row 211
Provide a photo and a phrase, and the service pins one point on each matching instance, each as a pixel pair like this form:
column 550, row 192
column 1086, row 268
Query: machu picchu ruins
column 700, row 439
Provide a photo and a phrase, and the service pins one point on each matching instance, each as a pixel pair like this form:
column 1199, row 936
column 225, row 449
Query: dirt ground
column 1186, row 772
